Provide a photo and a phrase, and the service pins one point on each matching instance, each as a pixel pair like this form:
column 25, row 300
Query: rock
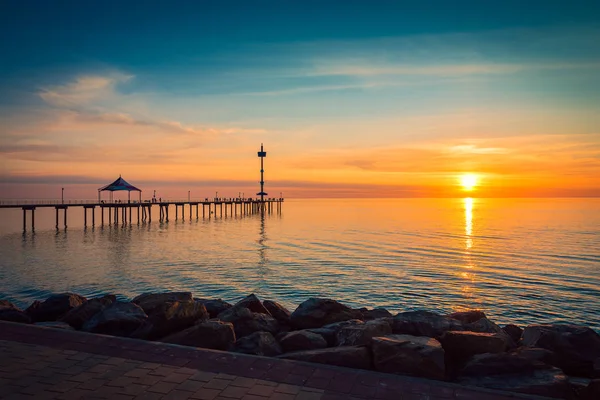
column 258, row 343
column 12, row 313
column 54, row 307
column 152, row 301
column 245, row 322
column 361, row 334
column 329, row 332
column 118, row 319
column 212, row 334
column 279, row 312
column 577, row 348
column 214, row 307
column 78, row 316
column 545, row 382
column 375, row 313
column 467, row 317
column 484, row 325
column 592, row 392
column 409, row 355
column 170, row 317
column 488, row 364
column 424, row 323
column 537, row 354
column 302, row 340
column 459, row 346
column 55, row 325
column 347, row 356
column 316, row 312
column 514, row 332
column 253, row 304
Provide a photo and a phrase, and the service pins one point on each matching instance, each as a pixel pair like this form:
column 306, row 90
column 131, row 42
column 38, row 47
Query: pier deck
column 120, row 212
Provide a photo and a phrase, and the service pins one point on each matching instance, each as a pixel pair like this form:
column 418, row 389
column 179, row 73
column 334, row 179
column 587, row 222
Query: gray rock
column 467, row 317
column 54, row 307
column 152, row 301
column 301, row 341
column 460, row 346
column 375, row 313
column 409, row 355
column 315, row 313
column 484, row 325
column 514, row 332
column 424, row 323
column 118, row 319
column 329, row 332
column 279, row 312
column 252, row 303
column 78, row 316
column 577, row 348
column 12, row 313
column 258, row 343
column 212, row 334
column 361, row 334
column 170, row 317
column 245, row 322
column 346, row 356
column 55, row 325
column 215, row 306
column 489, row 364
column 544, row 382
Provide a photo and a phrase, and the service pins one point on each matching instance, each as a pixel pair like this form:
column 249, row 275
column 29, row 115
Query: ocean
column 521, row 261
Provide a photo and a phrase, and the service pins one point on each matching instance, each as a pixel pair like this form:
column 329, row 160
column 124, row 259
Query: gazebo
column 119, row 184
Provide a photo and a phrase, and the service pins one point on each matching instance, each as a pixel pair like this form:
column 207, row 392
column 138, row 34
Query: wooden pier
column 119, row 212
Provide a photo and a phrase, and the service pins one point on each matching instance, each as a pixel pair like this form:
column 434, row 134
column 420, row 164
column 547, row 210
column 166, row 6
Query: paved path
column 45, row 363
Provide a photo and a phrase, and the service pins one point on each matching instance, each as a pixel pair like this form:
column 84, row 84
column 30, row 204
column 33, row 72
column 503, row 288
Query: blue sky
column 340, row 90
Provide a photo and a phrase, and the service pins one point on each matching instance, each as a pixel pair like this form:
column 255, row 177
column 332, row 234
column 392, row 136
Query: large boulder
column 489, row 364
column 346, row 356
column 409, row 355
column 467, row 317
column 542, row 382
column 577, row 348
column 12, row 313
column 279, row 312
column 252, row 303
column 54, row 306
column 78, row 316
column 484, row 325
column 592, row 392
column 153, row 301
column 376, row 313
column 212, row 334
column 424, row 323
column 361, row 334
column 214, row 306
column 316, row 312
column 118, row 319
column 301, row 341
column 259, row 344
column 329, row 331
column 460, row 346
column 170, row 317
column 245, row 322
column 514, row 332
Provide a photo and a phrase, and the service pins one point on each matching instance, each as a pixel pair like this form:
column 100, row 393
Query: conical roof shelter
column 117, row 185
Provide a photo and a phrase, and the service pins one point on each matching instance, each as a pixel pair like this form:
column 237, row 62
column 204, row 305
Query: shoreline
column 557, row 360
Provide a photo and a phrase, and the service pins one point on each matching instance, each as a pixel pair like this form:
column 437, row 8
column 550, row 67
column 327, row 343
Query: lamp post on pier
column 262, row 154
column 189, row 196
column 62, row 195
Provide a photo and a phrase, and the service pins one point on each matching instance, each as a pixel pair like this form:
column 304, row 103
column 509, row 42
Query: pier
column 122, row 212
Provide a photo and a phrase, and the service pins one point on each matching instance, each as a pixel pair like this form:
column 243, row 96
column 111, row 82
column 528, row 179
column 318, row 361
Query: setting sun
column 468, row 181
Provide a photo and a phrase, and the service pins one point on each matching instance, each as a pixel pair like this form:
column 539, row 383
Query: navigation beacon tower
column 262, row 154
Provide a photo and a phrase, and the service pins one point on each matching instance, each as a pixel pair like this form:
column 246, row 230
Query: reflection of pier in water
column 121, row 212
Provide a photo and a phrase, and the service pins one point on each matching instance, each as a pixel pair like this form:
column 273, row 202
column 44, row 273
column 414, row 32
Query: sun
column 468, row 181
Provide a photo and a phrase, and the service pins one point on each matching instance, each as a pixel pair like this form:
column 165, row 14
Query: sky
column 350, row 98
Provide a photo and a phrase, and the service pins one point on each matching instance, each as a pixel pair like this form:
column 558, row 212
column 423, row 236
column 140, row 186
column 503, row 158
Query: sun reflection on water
column 468, row 204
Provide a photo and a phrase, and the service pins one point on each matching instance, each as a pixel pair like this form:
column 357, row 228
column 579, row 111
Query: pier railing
column 30, row 202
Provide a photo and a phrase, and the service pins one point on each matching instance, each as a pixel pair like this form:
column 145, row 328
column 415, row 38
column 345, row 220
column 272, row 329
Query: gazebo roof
column 119, row 184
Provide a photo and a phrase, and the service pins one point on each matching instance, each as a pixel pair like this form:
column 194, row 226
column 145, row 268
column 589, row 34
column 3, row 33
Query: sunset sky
column 351, row 99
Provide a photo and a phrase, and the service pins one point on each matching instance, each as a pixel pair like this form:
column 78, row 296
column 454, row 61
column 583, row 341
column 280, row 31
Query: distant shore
column 560, row 361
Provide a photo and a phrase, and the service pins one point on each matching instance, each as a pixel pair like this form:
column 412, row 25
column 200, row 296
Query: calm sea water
column 519, row 260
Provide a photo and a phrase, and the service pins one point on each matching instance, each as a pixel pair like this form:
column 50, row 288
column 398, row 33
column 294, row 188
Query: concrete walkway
column 45, row 363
